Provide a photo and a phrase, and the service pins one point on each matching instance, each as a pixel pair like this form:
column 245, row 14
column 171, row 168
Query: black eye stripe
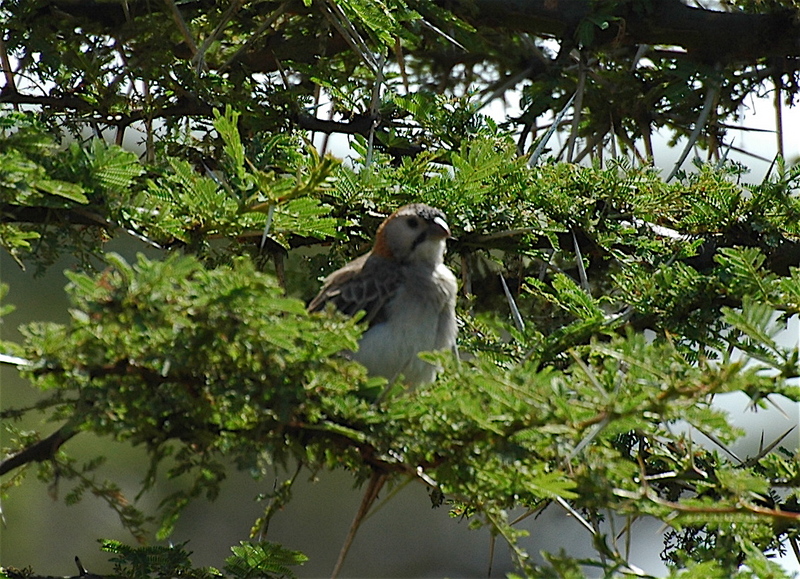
column 420, row 238
column 413, row 223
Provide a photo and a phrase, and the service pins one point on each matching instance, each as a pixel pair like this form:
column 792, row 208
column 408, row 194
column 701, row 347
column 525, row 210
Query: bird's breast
column 420, row 318
column 422, row 312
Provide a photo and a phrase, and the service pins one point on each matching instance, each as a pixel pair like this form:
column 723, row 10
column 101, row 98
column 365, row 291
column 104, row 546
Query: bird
column 407, row 292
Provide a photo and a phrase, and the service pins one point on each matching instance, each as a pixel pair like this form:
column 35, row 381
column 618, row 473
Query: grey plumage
column 405, row 289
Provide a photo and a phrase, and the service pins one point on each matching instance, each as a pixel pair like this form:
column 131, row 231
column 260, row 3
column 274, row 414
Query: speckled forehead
column 425, row 211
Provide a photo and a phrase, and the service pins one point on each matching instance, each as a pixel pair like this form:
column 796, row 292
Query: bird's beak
column 439, row 228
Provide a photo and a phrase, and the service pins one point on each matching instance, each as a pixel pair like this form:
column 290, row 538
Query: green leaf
column 262, row 559
column 113, row 167
column 227, row 127
column 70, row 191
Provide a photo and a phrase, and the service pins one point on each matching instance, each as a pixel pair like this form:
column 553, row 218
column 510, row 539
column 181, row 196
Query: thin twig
column 587, row 440
column 326, row 137
column 720, row 444
column 492, row 544
column 466, row 275
column 264, row 528
column 506, row 85
column 741, row 507
column 199, row 59
column 271, row 19
column 184, row 29
column 371, row 493
column 769, row 169
column 267, row 225
column 374, row 108
column 567, row 507
column 724, row 156
column 648, row 142
column 7, row 72
column 708, row 105
column 627, row 531
column 640, row 52
column 619, row 131
column 401, row 62
column 14, row 360
column 579, row 260
column 529, row 128
column 795, row 548
column 515, row 315
column 749, row 154
column 520, row 555
column 316, row 105
column 443, row 34
column 540, row 147
column 540, row 507
column 342, row 23
column 396, row 490
column 591, row 143
column 764, row 451
column 779, row 113
column 576, row 116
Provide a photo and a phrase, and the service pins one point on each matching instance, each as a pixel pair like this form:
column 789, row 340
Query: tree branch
column 37, row 214
column 13, row 573
column 708, row 35
column 359, row 125
column 40, row 451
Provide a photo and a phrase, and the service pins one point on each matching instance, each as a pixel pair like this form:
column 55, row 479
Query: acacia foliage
column 200, row 357
column 627, row 292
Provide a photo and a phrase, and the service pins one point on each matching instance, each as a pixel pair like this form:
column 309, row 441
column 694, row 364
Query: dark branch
column 37, row 214
column 359, row 125
column 708, row 35
column 40, row 451
column 13, row 573
column 62, row 103
column 67, row 102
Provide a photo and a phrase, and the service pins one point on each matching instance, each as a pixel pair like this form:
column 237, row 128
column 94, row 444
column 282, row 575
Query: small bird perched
column 405, row 289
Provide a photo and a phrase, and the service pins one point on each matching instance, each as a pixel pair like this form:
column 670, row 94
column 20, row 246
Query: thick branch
column 779, row 258
column 40, row 451
column 180, row 109
column 40, row 215
column 13, row 573
column 359, row 125
column 26, row 574
column 709, row 35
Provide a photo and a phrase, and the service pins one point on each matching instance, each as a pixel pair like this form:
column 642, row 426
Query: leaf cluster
column 601, row 304
column 204, row 361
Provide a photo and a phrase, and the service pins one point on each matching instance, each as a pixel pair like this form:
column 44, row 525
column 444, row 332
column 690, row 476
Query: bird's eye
column 413, row 222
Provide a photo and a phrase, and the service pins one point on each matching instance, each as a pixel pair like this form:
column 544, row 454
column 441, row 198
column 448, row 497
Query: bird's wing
column 363, row 284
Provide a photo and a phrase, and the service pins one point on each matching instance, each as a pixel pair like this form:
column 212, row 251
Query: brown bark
column 40, row 451
column 706, row 34
column 709, row 35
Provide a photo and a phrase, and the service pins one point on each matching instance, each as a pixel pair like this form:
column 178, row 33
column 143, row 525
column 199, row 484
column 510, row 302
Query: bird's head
column 413, row 234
